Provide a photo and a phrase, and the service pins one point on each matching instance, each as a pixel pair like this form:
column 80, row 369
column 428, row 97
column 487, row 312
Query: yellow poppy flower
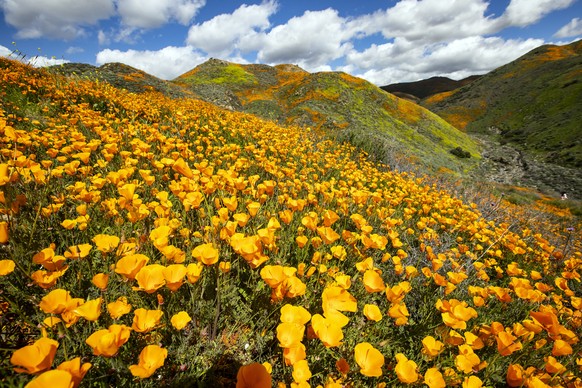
column 369, row 359
column 100, row 281
column 193, row 272
column 128, row 266
column 76, row 369
column 90, row 310
column 466, row 360
column 35, row 358
column 52, row 378
column 289, row 334
column 373, row 281
column 118, row 308
column 180, row 320
column 6, row 267
column 431, row 347
column 294, row 314
column 206, row 253
column 106, row 243
column 56, row 301
column 106, row 342
column 372, row 312
column 254, row 375
column 329, row 332
column 434, row 378
column 151, row 358
column 174, row 275
column 146, row 320
column 301, row 372
column 150, row 278
column 294, row 354
column 405, row 369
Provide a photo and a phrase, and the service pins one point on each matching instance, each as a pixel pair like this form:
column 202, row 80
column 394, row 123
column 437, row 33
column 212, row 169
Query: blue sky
column 381, row 41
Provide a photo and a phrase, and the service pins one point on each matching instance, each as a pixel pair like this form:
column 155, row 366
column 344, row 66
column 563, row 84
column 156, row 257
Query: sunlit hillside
column 149, row 241
column 340, row 106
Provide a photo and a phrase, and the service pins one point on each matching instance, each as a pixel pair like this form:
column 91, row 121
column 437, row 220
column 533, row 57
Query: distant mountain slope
column 427, row 87
column 344, row 106
column 533, row 103
column 123, row 76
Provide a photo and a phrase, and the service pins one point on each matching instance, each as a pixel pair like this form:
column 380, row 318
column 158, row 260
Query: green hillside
column 342, row 106
column 534, row 103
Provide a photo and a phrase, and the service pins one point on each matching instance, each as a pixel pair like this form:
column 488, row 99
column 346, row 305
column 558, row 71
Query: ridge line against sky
column 382, row 41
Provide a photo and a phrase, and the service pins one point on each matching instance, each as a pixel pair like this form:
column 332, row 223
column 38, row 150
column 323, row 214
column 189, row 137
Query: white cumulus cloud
column 572, row 29
column 525, row 12
column 221, row 35
column 155, row 13
column 457, row 59
column 167, row 63
column 60, row 19
column 311, row 40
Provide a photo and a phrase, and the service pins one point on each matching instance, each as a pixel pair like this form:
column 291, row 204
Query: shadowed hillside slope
column 427, row 87
column 531, row 106
column 345, row 107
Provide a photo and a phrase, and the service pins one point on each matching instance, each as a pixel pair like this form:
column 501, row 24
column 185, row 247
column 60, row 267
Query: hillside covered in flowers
column 167, row 242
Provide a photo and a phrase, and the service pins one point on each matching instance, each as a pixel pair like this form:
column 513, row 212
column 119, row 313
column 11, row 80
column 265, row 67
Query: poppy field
column 166, row 242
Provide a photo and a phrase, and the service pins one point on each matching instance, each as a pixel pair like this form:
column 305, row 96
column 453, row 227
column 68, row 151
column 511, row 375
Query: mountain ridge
column 532, row 105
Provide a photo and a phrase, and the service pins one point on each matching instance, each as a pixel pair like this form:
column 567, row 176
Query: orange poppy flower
column 431, row 347
column 507, row 343
column 434, row 378
column 294, row 314
column 78, row 251
column 150, row 278
column 327, row 234
column 372, row 312
column 369, row 359
column 128, row 266
column 405, row 369
column 90, row 310
column 174, row 275
column 76, row 369
column 106, row 342
column 35, row 358
column 399, row 312
column 4, row 235
column 106, row 243
column 48, row 260
column 181, row 167
column 100, row 281
column 515, row 375
column 151, row 358
column 289, row 334
column 6, row 267
column 146, row 320
column 373, row 281
column 301, row 372
column 52, row 378
column 294, row 354
column 466, row 360
column 193, row 272
column 328, row 331
column 180, row 320
column 337, row 298
column 118, row 308
column 561, row 348
column 56, row 301
column 254, row 375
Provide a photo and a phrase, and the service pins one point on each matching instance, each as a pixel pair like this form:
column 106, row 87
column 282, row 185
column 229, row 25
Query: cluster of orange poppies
column 160, row 210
